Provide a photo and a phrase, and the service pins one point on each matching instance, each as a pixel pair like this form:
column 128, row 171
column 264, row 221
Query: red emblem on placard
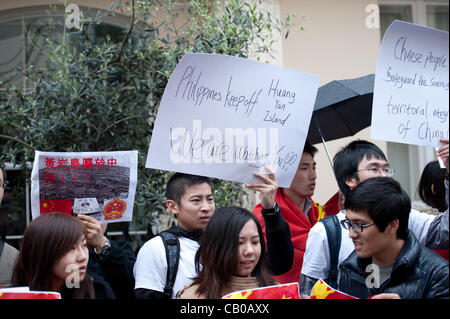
column 114, row 209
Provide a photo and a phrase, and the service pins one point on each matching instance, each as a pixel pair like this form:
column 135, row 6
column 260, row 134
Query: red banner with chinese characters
column 322, row 291
column 56, row 205
column 285, row 291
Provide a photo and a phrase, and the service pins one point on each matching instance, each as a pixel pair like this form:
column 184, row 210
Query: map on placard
column 411, row 101
column 227, row 117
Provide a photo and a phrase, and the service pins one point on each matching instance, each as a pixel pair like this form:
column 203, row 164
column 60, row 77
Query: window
column 437, row 16
column 389, row 13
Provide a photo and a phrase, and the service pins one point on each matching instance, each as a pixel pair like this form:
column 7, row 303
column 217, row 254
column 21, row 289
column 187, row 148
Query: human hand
column 267, row 189
column 386, row 296
column 443, row 152
column 93, row 231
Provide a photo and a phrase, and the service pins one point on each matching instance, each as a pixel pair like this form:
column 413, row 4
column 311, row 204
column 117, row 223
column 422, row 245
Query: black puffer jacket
column 418, row 273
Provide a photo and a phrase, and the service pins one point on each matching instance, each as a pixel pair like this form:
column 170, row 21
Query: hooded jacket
column 417, row 273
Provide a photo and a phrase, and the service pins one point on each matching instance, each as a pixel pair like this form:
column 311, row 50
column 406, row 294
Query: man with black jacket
column 388, row 258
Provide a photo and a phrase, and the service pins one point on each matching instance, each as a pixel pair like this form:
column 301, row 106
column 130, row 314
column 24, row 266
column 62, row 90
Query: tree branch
column 125, row 39
column 17, row 140
column 117, row 122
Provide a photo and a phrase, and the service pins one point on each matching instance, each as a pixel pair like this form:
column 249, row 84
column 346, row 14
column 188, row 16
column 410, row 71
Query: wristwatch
column 104, row 251
column 274, row 210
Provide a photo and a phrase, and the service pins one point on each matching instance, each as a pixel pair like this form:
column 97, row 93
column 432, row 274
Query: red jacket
column 299, row 226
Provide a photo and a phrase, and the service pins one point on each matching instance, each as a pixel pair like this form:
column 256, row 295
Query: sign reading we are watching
column 227, row 117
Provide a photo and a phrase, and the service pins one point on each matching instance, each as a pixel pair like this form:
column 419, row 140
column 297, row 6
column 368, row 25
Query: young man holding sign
column 298, row 209
column 190, row 199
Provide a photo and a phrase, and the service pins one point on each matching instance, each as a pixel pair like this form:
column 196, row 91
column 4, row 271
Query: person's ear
column 393, row 226
column 432, row 189
column 351, row 182
column 172, row 207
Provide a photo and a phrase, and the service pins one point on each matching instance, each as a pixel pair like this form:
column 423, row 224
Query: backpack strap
column 172, row 247
column 333, row 229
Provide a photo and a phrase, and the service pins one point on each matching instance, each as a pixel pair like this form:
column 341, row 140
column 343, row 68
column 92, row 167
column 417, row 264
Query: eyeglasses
column 357, row 228
column 3, row 184
column 379, row 170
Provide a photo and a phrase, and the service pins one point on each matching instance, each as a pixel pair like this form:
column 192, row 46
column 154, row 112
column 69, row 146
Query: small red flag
column 56, row 205
column 284, row 291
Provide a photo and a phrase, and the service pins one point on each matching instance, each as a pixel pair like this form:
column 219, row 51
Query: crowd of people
column 286, row 238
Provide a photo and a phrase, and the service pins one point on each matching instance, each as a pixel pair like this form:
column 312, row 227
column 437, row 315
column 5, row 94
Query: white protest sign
column 99, row 184
column 410, row 103
column 227, row 117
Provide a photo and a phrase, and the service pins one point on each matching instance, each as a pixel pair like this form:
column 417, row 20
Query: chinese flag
column 56, row 205
column 322, row 291
column 285, row 291
column 30, row 295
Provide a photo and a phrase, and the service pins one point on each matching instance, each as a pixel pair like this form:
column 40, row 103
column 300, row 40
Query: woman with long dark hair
column 53, row 257
column 231, row 257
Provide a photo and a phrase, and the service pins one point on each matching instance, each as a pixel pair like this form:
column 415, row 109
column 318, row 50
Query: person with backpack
column 166, row 263
column 328, row 244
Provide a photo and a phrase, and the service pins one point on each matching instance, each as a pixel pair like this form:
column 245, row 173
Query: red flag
column 56, row 205
column 322, row 291
column 286, row 291
column 30, row 295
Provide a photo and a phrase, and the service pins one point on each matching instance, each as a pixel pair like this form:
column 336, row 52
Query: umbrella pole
column 323, row 141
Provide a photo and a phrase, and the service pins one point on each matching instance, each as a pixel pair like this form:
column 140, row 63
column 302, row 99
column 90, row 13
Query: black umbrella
column 342, row 108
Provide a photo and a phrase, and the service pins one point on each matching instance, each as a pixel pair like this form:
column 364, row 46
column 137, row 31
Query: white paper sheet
column 227, row 117
column 58, row 179
column 410, row 103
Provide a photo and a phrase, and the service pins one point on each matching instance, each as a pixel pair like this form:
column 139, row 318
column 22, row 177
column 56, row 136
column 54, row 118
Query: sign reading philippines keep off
column 410, row 103
column 227, row 117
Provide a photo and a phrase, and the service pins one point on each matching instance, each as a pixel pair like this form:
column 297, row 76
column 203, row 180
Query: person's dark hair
column 218, row 252
column 384, row 200
column 345, row 162
column 46, row 240
column 433, row 174
column 310, row 149
column 178, row 182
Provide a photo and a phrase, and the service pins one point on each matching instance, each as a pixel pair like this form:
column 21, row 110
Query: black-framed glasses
column 3, row 184
column 357, row 228
column 379, row 170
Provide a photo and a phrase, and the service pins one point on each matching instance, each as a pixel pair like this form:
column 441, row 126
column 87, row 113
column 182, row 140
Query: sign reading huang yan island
column 410, row 102
column 227, row 117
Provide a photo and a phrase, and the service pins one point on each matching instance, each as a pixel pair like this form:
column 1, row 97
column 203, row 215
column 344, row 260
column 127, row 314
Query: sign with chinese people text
column 410, row 101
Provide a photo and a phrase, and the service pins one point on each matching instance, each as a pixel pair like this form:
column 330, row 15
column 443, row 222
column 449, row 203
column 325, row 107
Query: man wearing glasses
column 8, row 253
column 377, row 213
column 358, row 161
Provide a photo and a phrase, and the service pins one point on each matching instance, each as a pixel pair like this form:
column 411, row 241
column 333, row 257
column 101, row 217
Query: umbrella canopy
column 342, row 108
